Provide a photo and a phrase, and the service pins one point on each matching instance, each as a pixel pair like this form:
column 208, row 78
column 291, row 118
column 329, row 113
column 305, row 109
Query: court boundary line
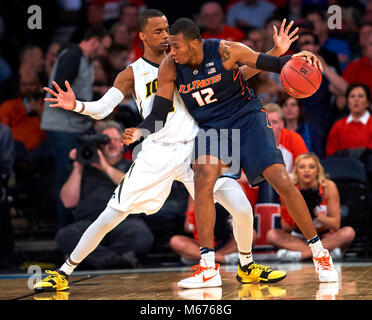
column 171, row 269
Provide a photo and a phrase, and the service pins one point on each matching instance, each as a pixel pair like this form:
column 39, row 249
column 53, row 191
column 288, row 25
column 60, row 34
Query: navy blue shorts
column 247, row 143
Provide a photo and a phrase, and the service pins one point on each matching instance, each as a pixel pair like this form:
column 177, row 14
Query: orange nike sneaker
column 324, row 267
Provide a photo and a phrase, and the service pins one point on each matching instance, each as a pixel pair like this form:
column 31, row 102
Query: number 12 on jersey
column 204, row 96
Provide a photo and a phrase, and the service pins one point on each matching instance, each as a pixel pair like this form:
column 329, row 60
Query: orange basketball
column 299, row 78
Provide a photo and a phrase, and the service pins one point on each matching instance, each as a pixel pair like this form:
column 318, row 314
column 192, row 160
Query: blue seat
column 345, row 169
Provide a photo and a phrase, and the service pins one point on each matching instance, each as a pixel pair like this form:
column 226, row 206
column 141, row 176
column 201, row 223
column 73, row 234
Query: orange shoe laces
column 199, row 269
column 324, row 262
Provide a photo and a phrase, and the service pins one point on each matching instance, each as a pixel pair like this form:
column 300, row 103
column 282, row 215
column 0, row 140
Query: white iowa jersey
column 180, row 126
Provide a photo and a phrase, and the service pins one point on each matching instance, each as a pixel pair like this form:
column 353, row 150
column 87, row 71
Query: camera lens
column 86, row 153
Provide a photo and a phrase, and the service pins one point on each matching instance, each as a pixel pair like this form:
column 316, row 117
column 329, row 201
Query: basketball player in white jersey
column 165, row 157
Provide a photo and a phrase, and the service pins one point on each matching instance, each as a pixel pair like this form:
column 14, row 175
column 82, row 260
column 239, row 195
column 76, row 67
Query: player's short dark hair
column 96, row 31
column 144, row 17
column 187, row 27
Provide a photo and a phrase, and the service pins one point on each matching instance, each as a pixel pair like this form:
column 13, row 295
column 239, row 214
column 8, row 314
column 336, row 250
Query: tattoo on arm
column 225, row 54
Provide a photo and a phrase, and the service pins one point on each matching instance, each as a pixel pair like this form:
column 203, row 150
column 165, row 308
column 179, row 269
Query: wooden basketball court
column 159, row 284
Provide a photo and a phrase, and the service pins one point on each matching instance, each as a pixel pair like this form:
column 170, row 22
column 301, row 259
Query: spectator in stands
column 294, row 10
column 364, row 31
column 23, row 114
column 51, row 57
column 294, row 115
column 249, row 13
column 131, row 239
column 355, row 130
column 323, row 200
column 103, row 77
column 93, row 18
column 268, row 30
column 367, row 17
column 118, row 56
column 111, row 11
column 360, row 70
column 257, row 40
column 63, row 127
column 120, row 35
column 128, row 17
column 350, row 26
column 319, row 108
column 213, row 20
column 321, row 30
column 32, row 60
column 290, row 143
column 32, row 187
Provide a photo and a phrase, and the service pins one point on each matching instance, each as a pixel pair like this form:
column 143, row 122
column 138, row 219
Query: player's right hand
column 283, row 40
column 63, row 99
column 310, row 58
column 130, row 135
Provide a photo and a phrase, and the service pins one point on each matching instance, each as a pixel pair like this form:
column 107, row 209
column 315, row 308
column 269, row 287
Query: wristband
column 270, row 63
column 79, row 107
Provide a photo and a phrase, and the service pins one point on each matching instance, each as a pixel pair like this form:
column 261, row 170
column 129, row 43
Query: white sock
column 245, row 258
column 315, row 245
column 208, row 259
column 68, row 267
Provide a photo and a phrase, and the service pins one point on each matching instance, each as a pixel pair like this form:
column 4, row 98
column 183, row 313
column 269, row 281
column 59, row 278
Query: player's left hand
column 310, row 57
column 283, row 40
column 130, row 135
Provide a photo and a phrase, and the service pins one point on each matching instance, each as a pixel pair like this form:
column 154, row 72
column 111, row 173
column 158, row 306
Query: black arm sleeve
column 265, row 62
column 160, row 109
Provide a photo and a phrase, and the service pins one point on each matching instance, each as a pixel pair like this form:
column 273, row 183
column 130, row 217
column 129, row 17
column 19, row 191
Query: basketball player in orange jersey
column 207, row 76
column 165, row 156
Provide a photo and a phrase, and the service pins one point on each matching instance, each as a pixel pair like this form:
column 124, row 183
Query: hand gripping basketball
column 301, row 76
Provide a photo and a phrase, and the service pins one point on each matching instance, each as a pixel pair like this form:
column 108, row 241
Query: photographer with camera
column 98, row 167
column 22, row 114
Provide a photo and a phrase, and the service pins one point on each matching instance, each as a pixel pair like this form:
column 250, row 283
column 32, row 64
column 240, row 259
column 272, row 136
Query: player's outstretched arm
column 282, row 41
column 96, row 109
column 233, row 53
column 162, row 105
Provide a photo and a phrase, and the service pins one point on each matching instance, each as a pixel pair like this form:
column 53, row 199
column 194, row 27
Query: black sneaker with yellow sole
column 255, row 272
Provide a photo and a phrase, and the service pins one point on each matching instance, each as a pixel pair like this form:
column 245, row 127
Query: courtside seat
column 350, row 177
